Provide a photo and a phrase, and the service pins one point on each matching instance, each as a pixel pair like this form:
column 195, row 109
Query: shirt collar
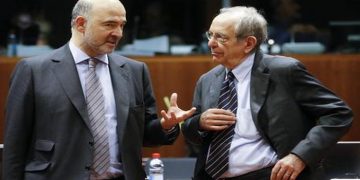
column 243, row 69
column 80, row 56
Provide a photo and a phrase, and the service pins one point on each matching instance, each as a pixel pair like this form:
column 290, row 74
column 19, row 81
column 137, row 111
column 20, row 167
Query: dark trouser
column 122, row 177
column 119, row 178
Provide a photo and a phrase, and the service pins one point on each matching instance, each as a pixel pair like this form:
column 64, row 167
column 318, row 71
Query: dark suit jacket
column 47, row 125
column 290, row 109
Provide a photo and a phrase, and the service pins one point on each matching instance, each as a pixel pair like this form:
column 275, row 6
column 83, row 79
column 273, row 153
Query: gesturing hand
column 174, row 115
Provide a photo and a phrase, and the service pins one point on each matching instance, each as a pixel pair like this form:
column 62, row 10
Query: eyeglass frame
column 219, row 37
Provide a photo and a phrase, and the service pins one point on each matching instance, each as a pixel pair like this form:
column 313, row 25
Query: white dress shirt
column 102, row 71
column 248, row 151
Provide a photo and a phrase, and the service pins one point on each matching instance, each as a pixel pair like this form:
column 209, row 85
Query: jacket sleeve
column 190, row 128
column 19, row 119
column 333, row 116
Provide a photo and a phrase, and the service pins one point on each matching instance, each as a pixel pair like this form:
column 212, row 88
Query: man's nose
column 212, row 42
column 118, row 32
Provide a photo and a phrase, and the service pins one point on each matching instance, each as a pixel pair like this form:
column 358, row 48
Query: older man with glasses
column 259, row 116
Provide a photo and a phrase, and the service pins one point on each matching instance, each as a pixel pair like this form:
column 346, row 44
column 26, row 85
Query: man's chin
column 109, row 49
column 216, row 59
column 111, row 45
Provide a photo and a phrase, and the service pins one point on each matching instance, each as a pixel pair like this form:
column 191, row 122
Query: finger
column 216, row 122
column 278, row 171
column 286, row 176
column 164, row 115
column 274, row 172
column 173, row 116
column 229, row 113
column 189, row 112
column 216, row 125
column 229, row 119
column 192, row 110
column 288, row 171
column 217, row 128
column 173, row 99
column 222, row 111
column 281, row 173
column 294, row 175
column 209, row 119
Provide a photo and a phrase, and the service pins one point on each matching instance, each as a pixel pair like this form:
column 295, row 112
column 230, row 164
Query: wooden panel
column 180, row 73
column 175, row 74
column 6, row 67
column 339, row 73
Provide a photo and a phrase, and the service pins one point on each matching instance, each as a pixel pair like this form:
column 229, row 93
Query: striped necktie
column 218, row 158
column 95, row 106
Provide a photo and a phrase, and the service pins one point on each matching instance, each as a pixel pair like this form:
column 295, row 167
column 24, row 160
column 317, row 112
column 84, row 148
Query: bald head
column 97, row 25
column 85, row 7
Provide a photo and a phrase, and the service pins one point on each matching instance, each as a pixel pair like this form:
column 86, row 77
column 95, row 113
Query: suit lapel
column 66, row 72
column 120, row 79
column 215, row 87
column 258, row 86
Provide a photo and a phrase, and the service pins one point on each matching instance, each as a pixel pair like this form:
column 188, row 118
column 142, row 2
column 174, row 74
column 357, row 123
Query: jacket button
column 88, row 167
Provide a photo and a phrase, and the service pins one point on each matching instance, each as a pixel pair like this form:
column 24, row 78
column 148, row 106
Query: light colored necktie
column 218, row 158
column 95, row 106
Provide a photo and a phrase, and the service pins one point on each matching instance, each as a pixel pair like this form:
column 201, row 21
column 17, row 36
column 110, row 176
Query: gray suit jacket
column 47, row 125
column 292, row 111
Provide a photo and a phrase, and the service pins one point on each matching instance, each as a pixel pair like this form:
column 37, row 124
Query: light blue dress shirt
column 248, row 151
column 102, row 71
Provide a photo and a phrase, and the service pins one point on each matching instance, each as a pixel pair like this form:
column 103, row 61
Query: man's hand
column 216, row 119
column 174, row 115
column 288, row 167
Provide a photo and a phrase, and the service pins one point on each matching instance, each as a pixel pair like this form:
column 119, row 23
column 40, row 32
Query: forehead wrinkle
column 222, row 27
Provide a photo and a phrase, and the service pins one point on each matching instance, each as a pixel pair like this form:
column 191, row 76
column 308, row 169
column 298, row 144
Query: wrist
column 169, row 129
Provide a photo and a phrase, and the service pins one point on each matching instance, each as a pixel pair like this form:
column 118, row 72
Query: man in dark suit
column 53, row 121
column 276, row 119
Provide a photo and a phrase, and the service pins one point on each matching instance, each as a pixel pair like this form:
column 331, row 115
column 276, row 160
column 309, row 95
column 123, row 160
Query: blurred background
column 168, row 35
column 327, row 30
column 335, row 25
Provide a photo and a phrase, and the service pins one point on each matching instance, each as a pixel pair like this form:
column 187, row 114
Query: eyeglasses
column 220, row 38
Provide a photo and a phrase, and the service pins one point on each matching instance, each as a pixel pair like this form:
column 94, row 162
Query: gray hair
column 248, row 22
column 81, row 8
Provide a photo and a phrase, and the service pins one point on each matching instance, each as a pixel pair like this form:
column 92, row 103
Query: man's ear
column 250, row 43
column 80, row 23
